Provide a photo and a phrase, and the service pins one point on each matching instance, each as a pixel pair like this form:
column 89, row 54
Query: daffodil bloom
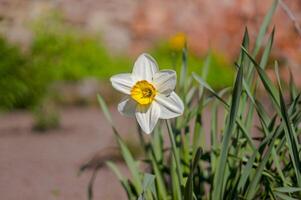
column 177, row 41
column 149, row 93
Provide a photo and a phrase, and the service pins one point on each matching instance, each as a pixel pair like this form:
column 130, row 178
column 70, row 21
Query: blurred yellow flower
column 177, row 41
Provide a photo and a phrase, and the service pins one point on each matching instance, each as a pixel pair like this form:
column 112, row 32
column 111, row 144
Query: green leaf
column 188, row 193
column 162, row 193
column 267, row 51
column 245, row 44
column 121, row 178
column 267, row 83
column 157, row 143
column 183, row 73
column 292, row 86
column 284, row 196
column 246, row 171
column 214, row 135
column 149, row 189
column 218, row 192
column 148, row 181
column 205, row 69
column 291, row 138
column 176, row 188
column 175, row 153
column 105, row 109
column 259, row 171
column 264, row 26
column 131, row 164
column 207, row 86
column 288, row 189
column 219, row 97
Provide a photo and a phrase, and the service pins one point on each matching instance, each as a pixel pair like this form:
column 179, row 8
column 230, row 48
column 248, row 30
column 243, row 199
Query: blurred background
column 56, row 55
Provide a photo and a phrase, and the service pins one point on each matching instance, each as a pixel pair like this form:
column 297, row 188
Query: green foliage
column 17, row 80
column 68, row 54
column 220, row 72
column 46, row 118
column 11, row 71
column 240, row 162
column 61, row 52
column 57, row 53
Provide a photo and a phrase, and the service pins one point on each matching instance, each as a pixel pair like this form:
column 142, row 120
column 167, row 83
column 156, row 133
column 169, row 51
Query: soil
column 45, row 166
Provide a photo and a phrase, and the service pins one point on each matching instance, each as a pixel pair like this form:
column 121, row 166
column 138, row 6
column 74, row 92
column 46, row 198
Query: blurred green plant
column 17, row 90
column 57, row 53
column 220, row 72
column 46, row 117
column 61, row 52
column 10, row 73
column 240, row 162
column 70, row 54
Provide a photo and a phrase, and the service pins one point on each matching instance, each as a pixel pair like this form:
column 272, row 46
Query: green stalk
column 175, row 152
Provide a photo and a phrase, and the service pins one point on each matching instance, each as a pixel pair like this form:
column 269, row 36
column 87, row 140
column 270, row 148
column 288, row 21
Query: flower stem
column 175, row 152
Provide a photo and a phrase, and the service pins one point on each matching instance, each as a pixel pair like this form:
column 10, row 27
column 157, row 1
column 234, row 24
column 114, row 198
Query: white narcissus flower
column 150, row 93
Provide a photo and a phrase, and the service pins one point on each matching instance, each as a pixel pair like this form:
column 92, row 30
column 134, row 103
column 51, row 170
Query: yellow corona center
column 143, row 92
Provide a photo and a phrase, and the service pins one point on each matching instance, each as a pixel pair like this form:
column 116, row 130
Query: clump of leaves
column 46, row 116
column 70, row 54
column 240, row 162
column 13, row 70
column 221, row 73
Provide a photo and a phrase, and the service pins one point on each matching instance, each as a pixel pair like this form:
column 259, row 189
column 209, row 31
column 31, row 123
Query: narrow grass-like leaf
column 288, row 189
column 190, row 95
column 121, row 178
column 183, row 73
column 198, row 131
column 277, row 163
column 245, row 43
column 219, row 97
column 176, row 188
column 245, row 133
column 148, row 180
column 105, row 109
column 214, row 136
column 188, row 193
column 292, row 86
column 265, row 80
column 162, row 193
column 131, row 164
column 175, row 153
column 207, row 86
column 157, row 143
column 291, row 138
column 265, row 56
column 284, row 196
column 205, row 69
column 259, row 171
column 219, row 176
column 264, row 26
column 246, row 172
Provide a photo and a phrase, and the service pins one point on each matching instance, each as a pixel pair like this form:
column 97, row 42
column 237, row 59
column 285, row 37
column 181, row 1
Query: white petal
column 165, row 81
column 122, row 82
column 144, row 68
column 127, row 107
column 148, row 116
column 171, row 106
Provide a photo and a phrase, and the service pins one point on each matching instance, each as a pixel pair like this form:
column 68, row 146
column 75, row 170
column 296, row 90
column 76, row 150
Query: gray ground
column 45, row 166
